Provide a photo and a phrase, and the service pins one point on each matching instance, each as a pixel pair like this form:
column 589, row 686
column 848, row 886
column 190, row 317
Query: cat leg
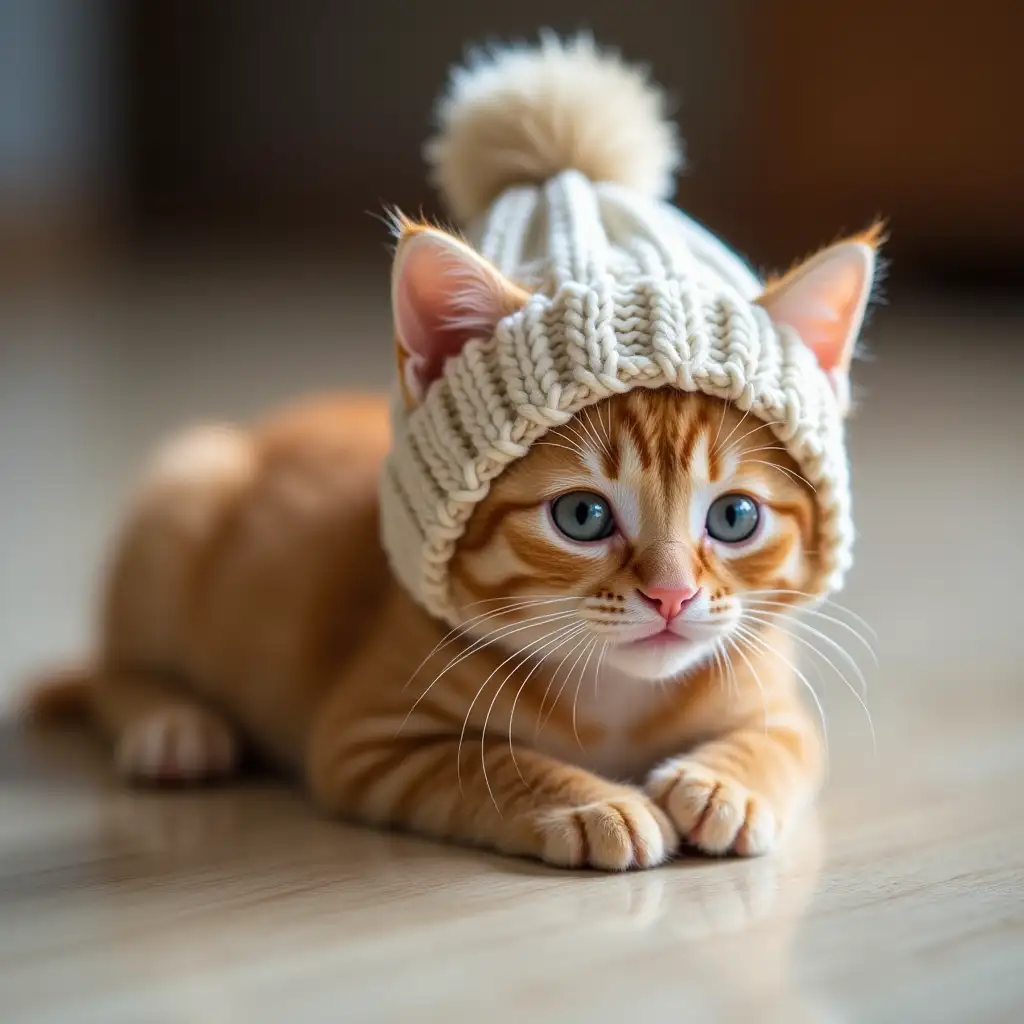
column 474, row 790
column 740, row 792
column 161, row 734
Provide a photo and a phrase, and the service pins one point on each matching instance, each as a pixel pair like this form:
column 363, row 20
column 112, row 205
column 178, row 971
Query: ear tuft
column 825, row 299
column 443, row 293
column 874, row 236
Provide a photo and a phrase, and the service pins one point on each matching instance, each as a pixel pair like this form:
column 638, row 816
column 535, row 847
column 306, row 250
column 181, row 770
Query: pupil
column 582, row 512
column 732, row 514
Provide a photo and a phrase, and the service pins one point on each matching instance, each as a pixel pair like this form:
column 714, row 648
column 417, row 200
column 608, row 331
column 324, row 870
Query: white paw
column 713, row 812
column 624, row 832
column 181, row 744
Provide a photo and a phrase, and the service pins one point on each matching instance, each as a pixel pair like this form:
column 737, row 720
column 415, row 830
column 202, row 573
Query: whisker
column 581, row 455
column 824, row 600
column 458, row 752
column 537, row 620
column 753, row 430
column 542, row 597
column 463, row 627
column 814, row 632
column 588, row 426
column 575, row 427
column 724, row 664
column 597, row 669
column 520, row 624
column 559, row 633
column 540, row 725
column 576, row 697
column 726, row 406
column 490, row 708
column 766, row 448
column 592, row 441
column 792, row 474
column 757, row 679
column 734, row 429
column 608, row 429
column 717, row 662
column 795, row 612
column 828, row 661
column 751, row 636
column 604, row 436
column 797, row 620
column 734, row 681
column 574, row 631
column 561, row 690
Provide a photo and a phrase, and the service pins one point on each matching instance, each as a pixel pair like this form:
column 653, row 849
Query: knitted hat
column 556, row 158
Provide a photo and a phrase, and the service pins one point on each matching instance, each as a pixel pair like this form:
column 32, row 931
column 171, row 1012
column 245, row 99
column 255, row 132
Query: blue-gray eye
column 583, row 516
column 733, row 518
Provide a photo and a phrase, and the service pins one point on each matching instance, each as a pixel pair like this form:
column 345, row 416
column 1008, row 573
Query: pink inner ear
column 420, row 319
column 825, row 302
column 443, row 294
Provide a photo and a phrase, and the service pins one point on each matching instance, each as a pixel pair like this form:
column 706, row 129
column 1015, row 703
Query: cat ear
column 824, row 300
column 443, row 294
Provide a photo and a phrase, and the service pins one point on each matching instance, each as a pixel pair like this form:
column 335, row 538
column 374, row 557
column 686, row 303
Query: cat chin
column 659, row 662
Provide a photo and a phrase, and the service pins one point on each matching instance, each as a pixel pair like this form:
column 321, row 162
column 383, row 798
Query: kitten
column 621, row 678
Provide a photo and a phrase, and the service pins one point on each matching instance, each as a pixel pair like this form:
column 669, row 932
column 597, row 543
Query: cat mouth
column 663, row 638
column 677, row 634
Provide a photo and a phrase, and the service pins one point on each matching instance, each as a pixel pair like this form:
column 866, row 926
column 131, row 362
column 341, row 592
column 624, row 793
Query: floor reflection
column 724, row 930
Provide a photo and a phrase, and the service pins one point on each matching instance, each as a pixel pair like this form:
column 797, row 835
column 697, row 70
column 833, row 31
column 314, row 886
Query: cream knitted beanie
column 627, row 292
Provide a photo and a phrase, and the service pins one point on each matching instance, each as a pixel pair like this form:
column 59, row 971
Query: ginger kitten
column 620, row 678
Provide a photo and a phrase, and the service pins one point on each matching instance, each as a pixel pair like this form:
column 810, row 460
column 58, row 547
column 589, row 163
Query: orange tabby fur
column 249, row 605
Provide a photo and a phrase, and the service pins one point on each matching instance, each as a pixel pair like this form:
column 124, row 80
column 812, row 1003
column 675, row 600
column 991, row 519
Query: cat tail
column 518, row 115
column 63, row 695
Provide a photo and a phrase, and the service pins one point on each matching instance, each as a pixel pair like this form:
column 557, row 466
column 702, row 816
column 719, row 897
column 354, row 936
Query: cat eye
column 583, row 516
column 733, row 518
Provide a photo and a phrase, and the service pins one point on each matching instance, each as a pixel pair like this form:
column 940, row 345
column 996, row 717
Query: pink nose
column 670, row 601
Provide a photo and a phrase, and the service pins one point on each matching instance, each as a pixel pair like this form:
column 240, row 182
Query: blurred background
column 187, row 229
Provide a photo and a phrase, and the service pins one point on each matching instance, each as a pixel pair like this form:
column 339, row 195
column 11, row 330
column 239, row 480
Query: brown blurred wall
column 304, row 117
column 910, row 109
column 257, row 122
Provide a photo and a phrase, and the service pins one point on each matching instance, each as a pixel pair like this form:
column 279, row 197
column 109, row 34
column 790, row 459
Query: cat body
column 613, row 672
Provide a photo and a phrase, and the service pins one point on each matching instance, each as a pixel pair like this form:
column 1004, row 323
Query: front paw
column 712, row 811
column 623, row 832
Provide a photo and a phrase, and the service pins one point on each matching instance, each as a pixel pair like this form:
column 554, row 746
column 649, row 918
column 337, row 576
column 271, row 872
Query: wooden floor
column 903, row 900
